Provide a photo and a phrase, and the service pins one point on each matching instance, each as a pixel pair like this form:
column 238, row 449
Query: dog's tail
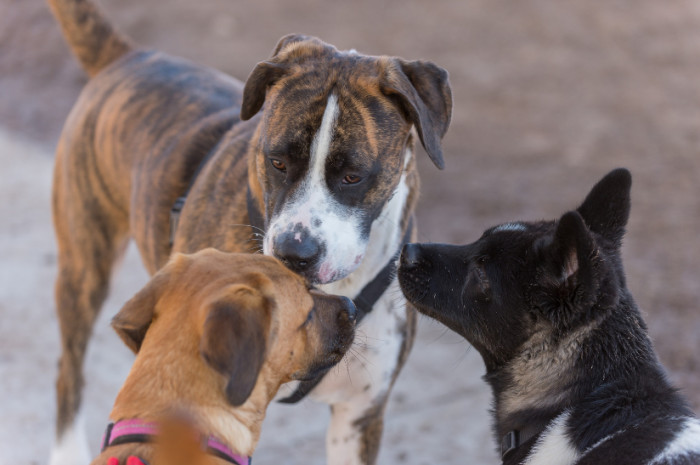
column 91, row 37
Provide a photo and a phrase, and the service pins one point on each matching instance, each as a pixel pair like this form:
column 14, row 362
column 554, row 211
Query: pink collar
column 135, row 430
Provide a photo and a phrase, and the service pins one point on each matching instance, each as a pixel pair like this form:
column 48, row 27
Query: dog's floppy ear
column 134, row 318
column 607, row 207
column 266, row 73
column 424, row 93
column 234, row 339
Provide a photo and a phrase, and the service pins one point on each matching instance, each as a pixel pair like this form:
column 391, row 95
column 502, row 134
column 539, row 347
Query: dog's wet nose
column 410, row 255
column 297, row 254
column 350, row 309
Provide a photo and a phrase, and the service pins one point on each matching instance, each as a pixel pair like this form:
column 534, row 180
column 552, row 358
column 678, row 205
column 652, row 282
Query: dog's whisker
column 254, row 228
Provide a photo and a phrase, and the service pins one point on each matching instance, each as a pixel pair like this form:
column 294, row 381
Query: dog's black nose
column 350, row 309
column 410, row 255
column 297, row 253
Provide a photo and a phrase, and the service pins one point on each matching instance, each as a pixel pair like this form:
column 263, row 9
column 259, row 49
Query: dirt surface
column 549, row 96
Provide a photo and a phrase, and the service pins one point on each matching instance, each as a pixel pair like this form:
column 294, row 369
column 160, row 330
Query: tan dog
column 216, row 334
column 312, row 162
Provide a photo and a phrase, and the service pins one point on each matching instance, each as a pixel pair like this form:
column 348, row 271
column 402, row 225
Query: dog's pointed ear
column 267, row 73
column 607, row 207
column 572, row 249
column 234, row 339
column 568, row 283
column 424, row 93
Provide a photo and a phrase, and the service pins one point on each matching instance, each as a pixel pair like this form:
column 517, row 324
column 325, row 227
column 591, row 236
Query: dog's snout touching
column 298, row 251
column 410, row 255
column 350, row 309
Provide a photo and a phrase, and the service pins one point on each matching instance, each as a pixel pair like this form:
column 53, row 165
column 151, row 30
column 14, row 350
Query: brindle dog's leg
column 91, row 232
column 380, row 351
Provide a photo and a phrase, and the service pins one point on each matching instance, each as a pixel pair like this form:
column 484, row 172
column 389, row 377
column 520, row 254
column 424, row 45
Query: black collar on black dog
column 512, row 441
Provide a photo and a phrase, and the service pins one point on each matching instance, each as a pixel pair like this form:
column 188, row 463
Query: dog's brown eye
column 351, row 179
column 278, row 164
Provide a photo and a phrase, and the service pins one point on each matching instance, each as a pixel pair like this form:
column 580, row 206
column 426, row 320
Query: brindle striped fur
column 144, row 122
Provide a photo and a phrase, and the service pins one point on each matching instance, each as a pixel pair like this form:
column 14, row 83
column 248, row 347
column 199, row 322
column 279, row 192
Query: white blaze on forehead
column 334, row 226
column 320, row 146
column 510, row 227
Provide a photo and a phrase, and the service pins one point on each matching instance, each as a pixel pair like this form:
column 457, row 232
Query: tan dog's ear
column 424, row 92
column 234, row 339
column 133, row 320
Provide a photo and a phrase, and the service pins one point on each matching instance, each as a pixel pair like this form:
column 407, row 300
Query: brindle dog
column 316, row 148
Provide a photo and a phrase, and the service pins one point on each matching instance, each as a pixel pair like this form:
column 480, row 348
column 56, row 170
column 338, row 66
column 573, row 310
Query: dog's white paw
column 72, row 447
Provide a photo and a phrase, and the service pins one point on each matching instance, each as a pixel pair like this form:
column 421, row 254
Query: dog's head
column 243, row 322
column 519, row 278
column 333, row 141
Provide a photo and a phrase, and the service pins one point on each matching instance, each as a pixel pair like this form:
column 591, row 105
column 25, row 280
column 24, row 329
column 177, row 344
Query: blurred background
column 548, row 97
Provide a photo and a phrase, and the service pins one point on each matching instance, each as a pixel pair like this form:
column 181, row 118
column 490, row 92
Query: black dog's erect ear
column 267, row 73
column 569, row 281
column 572, row 247
column 134, row 319
column 607, row 207
column 424, row 91
column 234, row 339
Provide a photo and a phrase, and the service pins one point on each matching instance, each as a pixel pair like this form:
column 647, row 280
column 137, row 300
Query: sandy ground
column 549, row 96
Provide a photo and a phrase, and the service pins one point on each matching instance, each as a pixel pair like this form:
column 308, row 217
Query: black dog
column 573, row 372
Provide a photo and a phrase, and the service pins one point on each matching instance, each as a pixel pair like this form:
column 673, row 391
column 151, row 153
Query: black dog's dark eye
column 278, row 164
column 482, row 260
column 351, row 179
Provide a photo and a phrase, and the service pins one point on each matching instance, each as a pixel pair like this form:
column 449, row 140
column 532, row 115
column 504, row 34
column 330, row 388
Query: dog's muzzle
column 414, row 272
column 298, row 250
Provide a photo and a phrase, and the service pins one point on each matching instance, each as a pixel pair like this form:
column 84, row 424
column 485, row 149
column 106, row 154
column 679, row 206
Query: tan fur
column 170, row 373
column 540, row 370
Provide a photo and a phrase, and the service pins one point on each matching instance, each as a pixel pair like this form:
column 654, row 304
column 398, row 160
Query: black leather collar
column 364, row 302
column 512, row 442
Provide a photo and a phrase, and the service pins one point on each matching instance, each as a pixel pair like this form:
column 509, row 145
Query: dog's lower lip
column 317, row 371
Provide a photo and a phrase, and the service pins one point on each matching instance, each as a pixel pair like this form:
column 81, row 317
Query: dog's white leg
column 72, row 447
column 358, row 388
column 354, row 433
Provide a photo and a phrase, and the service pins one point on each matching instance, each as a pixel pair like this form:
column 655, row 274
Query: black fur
column 546, row 305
